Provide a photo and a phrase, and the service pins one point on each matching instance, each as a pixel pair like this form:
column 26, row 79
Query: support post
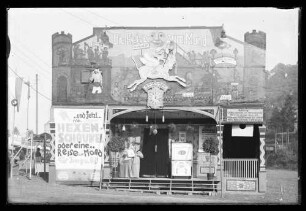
column 275, row 141
column 220, row 137
column 44, row 156
column 36, row 103
column 103, row 142
column 30, row 174
column 262, row 181
column 12, row 154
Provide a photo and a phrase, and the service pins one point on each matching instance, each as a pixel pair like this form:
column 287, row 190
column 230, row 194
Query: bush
column 283, row 158
column 116, row 144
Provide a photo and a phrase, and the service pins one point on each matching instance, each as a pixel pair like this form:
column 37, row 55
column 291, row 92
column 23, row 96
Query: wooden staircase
column 167, row 186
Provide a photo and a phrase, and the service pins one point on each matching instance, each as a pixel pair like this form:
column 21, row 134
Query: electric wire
column 31, row 85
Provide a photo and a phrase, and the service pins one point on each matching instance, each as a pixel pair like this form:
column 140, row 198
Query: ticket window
column 241, row 141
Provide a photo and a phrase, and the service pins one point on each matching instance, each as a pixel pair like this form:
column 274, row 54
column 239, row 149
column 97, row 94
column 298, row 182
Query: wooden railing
column 241, row 168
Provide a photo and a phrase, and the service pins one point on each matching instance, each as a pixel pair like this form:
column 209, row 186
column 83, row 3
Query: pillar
column 262, row 180
column 220, row 156
column 52, row 170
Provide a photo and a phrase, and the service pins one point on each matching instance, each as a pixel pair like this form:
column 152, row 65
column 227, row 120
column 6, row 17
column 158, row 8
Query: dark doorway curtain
column 156, row 154
column 162, row 154
column 240, row 147
column 147, row 164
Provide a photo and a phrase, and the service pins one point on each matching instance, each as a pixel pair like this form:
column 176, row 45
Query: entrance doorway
column 156, row 154
column 240, row 147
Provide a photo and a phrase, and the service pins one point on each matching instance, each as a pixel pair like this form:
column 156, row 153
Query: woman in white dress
column 136, row 164
column 126, row 162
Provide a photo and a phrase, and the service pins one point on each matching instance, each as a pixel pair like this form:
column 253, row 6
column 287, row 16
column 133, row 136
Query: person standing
column 136, row 163
column 38, row 163
column 126, row 161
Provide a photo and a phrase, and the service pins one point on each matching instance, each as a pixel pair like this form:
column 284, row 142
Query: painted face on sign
column 157, row 38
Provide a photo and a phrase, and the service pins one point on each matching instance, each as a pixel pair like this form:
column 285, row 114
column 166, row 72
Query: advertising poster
column 79, row 147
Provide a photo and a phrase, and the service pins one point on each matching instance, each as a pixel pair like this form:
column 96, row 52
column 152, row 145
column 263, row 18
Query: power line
column 32, row 52
column 89, row 23
column 30, row 85
column 30, row 58
column 102, row 17
column 77, row 17
column 30, row 65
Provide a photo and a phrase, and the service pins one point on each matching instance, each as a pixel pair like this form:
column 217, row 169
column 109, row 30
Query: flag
column 18, row 88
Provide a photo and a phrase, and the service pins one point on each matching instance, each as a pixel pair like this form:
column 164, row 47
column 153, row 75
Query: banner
column 79, row 144
column 18, row 88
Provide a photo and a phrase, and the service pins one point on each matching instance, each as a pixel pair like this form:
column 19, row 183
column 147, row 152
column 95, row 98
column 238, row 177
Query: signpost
column 14, row 103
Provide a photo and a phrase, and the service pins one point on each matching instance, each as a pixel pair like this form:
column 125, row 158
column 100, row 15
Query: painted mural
column 196, row 64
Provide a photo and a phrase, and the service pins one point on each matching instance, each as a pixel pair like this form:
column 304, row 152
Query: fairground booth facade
column 167, row 90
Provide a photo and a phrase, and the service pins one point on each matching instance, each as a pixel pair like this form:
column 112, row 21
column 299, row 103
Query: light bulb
column 147, row 118
column 163, row 118
column 123, row 128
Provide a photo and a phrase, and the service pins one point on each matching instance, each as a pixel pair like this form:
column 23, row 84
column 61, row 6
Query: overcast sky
column 30, row 32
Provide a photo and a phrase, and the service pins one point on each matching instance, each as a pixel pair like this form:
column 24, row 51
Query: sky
column 30, row 31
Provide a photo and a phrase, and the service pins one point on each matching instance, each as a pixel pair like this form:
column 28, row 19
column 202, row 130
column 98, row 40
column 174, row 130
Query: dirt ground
column 282, row 188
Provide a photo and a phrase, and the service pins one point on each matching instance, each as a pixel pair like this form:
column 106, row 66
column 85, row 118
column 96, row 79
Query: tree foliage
column 285, row 117
column 211, row 145
column 117, row 143
column 16, row 131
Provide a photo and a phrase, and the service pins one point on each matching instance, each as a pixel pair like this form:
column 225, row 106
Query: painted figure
column 157, row 62
column 96, row 79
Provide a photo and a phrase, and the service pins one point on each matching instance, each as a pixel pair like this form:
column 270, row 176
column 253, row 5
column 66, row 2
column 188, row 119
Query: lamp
column 123, row 127
column 147, row 118
column 163, row 118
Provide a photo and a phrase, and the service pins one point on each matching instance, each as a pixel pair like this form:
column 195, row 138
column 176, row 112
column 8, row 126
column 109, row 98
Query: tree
column 16, row 131
column 288, row 113
column 29, row 133
column 276, row 119
column 211, row 146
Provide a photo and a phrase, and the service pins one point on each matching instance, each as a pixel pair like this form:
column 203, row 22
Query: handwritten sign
column 79, row 146
column 182, row 136
column 141, row 46
column 244, row 115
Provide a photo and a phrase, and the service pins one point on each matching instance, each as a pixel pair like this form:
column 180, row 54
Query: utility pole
column 28, row 84
column 288, row 137
column 282, row 138
column 275, row 140
column 36, row 103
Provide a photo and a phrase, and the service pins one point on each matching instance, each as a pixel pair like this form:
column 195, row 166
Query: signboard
column 181, row 151
column 205, row 169
column 79, row 146
column 155, row 92
column 241, row 185
column 206, row 131
column 226, row 97
column 244, row 115
column 225, row 60
column 182, row 136
column 181, row 168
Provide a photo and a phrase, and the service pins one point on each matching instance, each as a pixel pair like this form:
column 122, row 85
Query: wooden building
column 189, row 83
